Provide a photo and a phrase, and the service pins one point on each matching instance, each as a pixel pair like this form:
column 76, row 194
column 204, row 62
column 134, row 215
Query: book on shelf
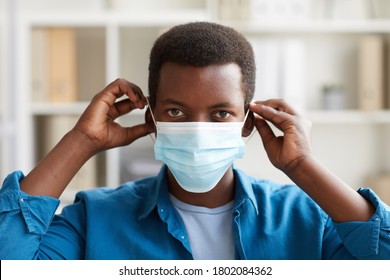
column 267, row 68
column 263, row 10
column 293, row 73
column 280, row 70
column 53, row 129
column 351, row 9
column 91, row 62
column 54, row 65
column 370, row 73
column 39, row 50
column 234, row 9
column 279, row 10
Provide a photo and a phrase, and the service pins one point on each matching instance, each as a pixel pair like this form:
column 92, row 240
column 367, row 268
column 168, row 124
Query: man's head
column 203, row 44
column 201, row 72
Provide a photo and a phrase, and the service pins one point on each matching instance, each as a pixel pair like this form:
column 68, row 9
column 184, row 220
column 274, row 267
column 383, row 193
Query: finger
column 141, row 100
column 265, row 131
column 137, row 131
column 279, row 105
column 278, row 118
column 121, row 87
column 121, row 108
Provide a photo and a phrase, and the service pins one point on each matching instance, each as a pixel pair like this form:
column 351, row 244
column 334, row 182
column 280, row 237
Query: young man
column 201, row 83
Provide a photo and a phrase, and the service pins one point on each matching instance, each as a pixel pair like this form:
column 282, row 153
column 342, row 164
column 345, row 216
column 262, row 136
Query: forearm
column 338, row 200
column 51, row 176
column 23, row 219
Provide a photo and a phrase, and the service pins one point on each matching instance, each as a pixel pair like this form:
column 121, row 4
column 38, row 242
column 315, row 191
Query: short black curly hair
column 202, row 44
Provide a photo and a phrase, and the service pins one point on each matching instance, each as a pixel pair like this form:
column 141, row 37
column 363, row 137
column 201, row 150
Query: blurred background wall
column 327, row 58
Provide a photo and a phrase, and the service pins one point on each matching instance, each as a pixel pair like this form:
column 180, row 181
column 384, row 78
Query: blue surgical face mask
column 198, row 154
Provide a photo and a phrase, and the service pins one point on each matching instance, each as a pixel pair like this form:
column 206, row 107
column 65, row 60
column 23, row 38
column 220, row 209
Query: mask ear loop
column 154, row 120
column 246, row 116
column 246, row 140
column 151, row 112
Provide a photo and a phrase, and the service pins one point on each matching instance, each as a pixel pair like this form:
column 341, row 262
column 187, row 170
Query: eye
column 223, row 115
column 175, row 113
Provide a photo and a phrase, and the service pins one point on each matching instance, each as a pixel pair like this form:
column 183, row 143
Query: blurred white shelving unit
column 350, row 142
column 123, row 39
column 7, row 127
column 2, row 85
column 353, row 143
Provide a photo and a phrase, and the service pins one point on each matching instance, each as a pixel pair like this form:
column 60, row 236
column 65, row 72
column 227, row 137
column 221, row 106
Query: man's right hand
column 95, row 131
column 98, row 124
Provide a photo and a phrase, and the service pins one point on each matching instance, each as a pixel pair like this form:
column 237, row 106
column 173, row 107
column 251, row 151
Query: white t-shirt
column 210, row 230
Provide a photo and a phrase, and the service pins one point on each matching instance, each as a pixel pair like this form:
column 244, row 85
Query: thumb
column 264, row 129
column 138, row 131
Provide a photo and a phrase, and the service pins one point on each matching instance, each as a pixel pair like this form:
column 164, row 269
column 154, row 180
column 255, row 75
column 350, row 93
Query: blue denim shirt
column 138, row 221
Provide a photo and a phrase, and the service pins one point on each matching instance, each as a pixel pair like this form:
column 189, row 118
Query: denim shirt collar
column 244, row 190
column 159, row 192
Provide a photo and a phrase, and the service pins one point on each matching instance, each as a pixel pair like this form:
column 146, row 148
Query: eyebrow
column 221, row 105
column 172, row 101
column 215, row 106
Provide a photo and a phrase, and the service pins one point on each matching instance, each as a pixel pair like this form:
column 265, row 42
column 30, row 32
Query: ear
column 248, row 125
column 149, row 120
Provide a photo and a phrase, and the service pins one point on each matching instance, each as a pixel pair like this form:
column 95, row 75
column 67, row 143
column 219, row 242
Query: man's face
column 199, row 94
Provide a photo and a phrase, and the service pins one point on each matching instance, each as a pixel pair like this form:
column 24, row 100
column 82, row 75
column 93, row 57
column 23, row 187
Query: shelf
column 109, row 18
column 42, row 109
column 158, row 18
column 349, row 117
column 312, row 26
column 55, row 109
